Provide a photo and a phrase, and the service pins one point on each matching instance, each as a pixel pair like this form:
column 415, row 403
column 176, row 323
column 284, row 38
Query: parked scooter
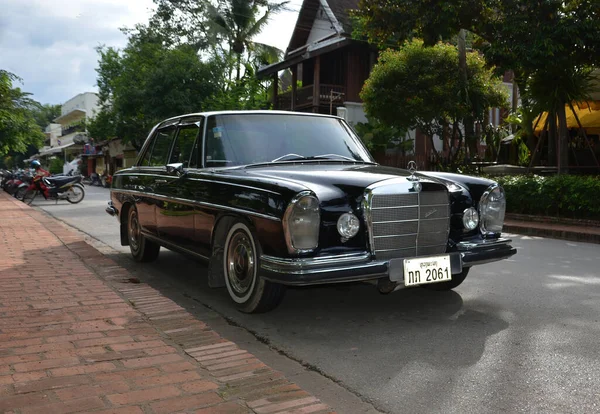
column 93, row 179
column 21, row 190
column 56, row 188
column 13, row 181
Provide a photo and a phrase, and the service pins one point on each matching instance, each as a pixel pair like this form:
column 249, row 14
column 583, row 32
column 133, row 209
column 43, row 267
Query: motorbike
column 13, row 181
column 62, row 187
column 25, row 182
column 93, row 179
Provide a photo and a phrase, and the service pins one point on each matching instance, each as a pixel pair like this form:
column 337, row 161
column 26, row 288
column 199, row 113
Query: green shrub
column 56, row 166
column 568, row 196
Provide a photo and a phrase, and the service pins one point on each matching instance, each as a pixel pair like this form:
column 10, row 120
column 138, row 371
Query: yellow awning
column 588, row 113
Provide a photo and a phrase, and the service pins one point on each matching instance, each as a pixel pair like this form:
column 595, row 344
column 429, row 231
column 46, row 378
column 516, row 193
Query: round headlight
column 470, row 218
column 348, row 225
column 492, row 207
column 301, row 223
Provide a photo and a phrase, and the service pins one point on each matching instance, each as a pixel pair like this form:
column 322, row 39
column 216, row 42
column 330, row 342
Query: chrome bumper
column 111, row 209
column 358, row 267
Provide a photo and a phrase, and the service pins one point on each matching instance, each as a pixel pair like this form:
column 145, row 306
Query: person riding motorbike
column 37, row 177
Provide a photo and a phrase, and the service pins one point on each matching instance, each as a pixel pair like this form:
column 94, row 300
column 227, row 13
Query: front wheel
column 142, row 249
column 241, row 265
column 20, row 193
column 29, row 196
column 75, row 194
column 451, row 284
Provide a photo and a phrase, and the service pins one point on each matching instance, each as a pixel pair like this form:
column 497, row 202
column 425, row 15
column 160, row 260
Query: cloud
column 51, row 44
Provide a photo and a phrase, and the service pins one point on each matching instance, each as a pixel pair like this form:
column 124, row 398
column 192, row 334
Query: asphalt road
column 521, row 335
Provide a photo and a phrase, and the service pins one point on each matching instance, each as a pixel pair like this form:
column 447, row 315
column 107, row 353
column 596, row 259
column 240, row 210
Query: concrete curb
column 561, row 232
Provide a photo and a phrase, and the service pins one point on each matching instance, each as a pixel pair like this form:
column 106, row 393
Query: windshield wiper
column 293, row 157
column 289, row 157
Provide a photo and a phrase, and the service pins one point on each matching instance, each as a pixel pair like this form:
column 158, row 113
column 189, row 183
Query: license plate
column 425, row 270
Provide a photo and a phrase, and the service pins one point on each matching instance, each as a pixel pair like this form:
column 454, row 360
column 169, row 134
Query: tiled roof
column 340, row 9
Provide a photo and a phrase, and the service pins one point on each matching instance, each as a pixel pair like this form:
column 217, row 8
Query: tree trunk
column 515, row 94
column 563, row 141
column 468, row 121
column 238, row 67
column 552, row 138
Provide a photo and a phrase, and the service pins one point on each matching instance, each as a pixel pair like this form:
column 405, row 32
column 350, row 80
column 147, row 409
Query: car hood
column 330, row 181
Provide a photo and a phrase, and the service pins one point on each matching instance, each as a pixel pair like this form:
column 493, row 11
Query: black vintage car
column 274, row 198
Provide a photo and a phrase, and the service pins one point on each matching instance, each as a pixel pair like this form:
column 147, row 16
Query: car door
column 149, row 175
column 177, row 211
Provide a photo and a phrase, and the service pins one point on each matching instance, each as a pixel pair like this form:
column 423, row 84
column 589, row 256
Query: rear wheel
column 241, row 265
column 75, row 194
column 142, row 249
column 451, row 284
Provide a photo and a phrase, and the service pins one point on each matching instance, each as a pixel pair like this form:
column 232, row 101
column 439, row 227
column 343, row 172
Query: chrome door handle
column 160, row 181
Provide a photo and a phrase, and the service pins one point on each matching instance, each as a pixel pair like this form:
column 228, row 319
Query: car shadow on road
column 376, row 345
column 435, row 327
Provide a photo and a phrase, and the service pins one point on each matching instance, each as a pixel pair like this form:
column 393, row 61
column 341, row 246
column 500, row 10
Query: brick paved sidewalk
column 79, row 334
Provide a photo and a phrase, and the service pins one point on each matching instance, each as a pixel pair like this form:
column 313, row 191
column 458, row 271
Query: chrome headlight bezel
column 492, row 229
column 288, row 217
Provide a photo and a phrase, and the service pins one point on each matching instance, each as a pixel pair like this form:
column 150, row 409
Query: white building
column 70, row 128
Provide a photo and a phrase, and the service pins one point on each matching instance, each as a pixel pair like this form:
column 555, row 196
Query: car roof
column 247, row 112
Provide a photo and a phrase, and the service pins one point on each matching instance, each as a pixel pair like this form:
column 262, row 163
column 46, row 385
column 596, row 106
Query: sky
column 50, row 44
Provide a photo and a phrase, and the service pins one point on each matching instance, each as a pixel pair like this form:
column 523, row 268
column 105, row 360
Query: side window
column 184, row 146
column 160, row 149
column 219, row 149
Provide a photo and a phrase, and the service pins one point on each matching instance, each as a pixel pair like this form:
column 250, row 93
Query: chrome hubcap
column 240, row 263
column 134, row 232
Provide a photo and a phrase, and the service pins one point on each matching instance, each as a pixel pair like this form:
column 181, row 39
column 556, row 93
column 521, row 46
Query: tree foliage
column 147, row 82
column 236, row 22
column 417, row 87
column 45, row 114
column 543, row 42
column 193, row 55
column 18, row 127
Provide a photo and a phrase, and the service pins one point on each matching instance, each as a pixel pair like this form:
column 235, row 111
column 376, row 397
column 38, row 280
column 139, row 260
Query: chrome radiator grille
column 409, row 225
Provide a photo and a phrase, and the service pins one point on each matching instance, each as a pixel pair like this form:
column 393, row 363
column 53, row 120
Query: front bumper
column 358, row 267
column 112, row 210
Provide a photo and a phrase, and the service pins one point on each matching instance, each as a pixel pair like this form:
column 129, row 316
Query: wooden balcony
column 328, row 95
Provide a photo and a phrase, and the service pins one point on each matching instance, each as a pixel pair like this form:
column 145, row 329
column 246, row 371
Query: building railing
column 328, row 94
column 73, row 128
column 332, row 93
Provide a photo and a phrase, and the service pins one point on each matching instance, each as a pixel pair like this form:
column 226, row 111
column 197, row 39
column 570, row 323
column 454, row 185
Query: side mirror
column 176, row 168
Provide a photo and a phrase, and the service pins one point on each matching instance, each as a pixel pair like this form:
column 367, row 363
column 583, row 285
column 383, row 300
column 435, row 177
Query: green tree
column 534, row 39
column 18, row 128
column 237, row 22
column 46, row 114
column 224, row 31
column 417, row 86
column 147, row 82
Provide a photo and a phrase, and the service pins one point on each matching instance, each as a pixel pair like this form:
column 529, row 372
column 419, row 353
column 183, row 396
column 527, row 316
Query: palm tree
column 554, row 88
column 237, row 22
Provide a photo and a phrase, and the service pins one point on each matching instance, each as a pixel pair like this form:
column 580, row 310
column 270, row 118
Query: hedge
column 568, row 196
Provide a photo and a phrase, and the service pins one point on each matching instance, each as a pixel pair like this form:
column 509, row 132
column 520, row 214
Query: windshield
column 241, row 139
